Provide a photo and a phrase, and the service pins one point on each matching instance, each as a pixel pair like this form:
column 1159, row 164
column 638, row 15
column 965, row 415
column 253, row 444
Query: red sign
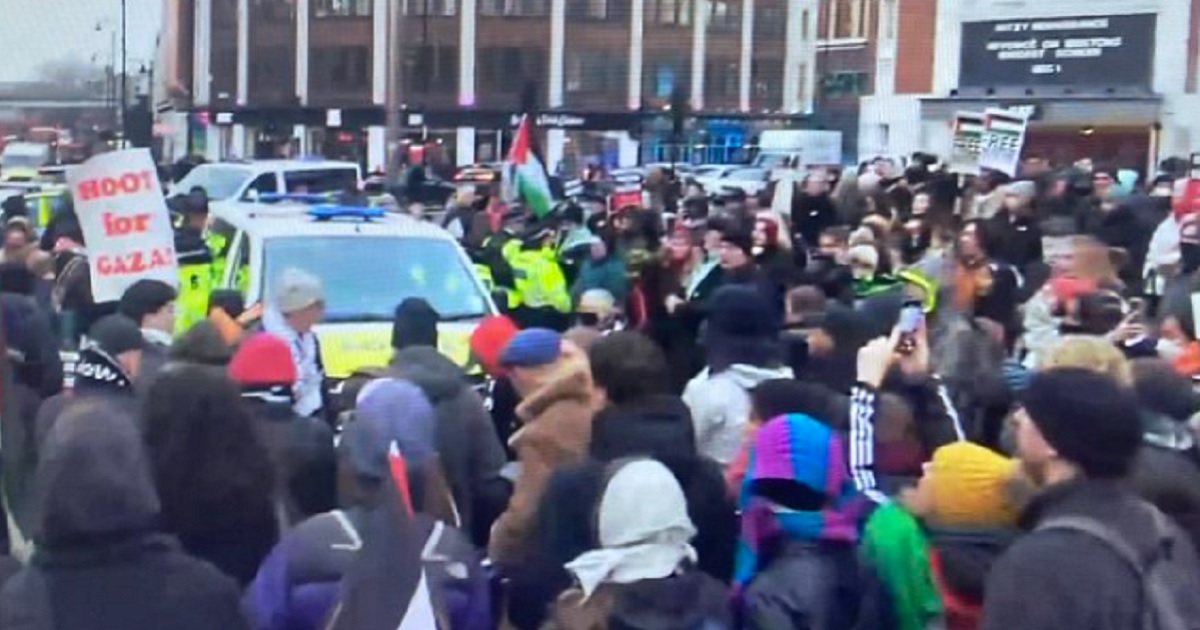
column 624, row 199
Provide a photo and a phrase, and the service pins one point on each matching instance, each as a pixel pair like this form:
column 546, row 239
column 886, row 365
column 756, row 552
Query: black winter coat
column 1053, row 579
column 302, row 455
column 142, row 583
column 807, row 586
column 468, row 445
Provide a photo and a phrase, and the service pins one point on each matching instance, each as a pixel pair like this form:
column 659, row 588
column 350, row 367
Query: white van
column 246, row 181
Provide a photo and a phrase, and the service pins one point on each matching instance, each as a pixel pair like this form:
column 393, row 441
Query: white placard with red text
column 125, row 221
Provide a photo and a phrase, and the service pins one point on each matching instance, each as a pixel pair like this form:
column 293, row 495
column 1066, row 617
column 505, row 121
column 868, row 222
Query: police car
column 368, row 261
column 248, row 180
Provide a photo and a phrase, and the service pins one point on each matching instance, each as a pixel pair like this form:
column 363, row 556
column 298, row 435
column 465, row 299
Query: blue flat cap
column 532, row 347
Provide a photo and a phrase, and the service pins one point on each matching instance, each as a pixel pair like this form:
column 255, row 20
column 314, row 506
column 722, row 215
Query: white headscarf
column 644, row 529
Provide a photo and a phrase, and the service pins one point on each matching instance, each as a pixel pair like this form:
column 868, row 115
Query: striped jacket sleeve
column 862, row 442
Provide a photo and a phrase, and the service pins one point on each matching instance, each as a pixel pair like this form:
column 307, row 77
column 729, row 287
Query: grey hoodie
column 101, row 562
column 720, row 405
column 468, row 446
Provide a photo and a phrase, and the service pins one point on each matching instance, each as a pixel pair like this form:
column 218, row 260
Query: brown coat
column 556, row 431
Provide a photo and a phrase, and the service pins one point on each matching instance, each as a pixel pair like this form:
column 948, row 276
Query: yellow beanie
column 971, row 486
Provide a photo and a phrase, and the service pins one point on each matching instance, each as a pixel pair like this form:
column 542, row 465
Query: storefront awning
column 1125, row 111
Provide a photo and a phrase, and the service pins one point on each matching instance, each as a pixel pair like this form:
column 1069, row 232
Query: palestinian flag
column 386, row 588
column 524, row 174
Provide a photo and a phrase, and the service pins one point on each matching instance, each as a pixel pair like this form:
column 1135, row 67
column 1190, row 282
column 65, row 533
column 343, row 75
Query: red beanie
column 263, row 359
column 489, row 340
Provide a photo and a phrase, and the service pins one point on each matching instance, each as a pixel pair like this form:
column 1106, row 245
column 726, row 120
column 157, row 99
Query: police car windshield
column 219, row 182
column 366, row 278
column 10, row 160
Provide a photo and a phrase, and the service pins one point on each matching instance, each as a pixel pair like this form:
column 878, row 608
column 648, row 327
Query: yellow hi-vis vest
column 195, row 289
column 540, row 280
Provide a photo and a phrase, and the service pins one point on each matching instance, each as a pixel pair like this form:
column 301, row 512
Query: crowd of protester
column 911, row 400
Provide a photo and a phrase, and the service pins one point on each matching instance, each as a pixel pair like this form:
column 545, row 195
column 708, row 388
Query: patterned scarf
column 798, row 449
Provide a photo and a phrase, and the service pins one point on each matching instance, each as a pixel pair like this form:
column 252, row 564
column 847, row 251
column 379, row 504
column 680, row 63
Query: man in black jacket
column 470, row 450
column 301, row 448
column 1078, row 435
column 151, row 305
column 1014, row 230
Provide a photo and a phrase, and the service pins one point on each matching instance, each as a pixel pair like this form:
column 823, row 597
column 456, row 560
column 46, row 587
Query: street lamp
column 124, row 73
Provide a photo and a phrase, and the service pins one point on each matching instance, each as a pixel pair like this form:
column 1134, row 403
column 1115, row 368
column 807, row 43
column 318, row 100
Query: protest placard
column 1003, row 138
column 968, row 137
column 125, row 221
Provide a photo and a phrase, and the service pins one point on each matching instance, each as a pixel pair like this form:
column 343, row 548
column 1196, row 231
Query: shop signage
column 1093, row 51
column 555, row 121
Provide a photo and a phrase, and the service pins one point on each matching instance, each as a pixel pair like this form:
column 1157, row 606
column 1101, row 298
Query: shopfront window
column 436, row 8
column 341, row 67
column 435, row 68
column 721, row 78
column 590, row 9
column 670, row 12
column 593, row 71
column 770, row 20
column 846, row 19
column 513, row 8
column 836, row 84
column 663, row 76
column 342, row 8
column 766, row 79
column 501, row 66
column 274, row 10
column 726, row 15
column 272, row 70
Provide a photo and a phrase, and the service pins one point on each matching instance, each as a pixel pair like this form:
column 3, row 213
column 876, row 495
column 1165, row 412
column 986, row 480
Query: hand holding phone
column 912, row 318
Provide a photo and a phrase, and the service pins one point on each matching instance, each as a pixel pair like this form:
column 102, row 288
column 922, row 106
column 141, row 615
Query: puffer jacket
column 470, row 450
column 720, row 405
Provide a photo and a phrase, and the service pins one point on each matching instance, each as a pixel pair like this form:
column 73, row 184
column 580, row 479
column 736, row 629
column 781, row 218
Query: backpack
column 1162, row 608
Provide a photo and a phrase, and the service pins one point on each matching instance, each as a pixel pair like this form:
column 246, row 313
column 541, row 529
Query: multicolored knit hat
column 798, row 449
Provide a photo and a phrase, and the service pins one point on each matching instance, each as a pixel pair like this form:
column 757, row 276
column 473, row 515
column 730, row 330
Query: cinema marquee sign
column 1092, row 51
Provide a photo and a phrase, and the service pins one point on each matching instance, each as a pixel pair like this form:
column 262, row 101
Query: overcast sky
column 33, row 32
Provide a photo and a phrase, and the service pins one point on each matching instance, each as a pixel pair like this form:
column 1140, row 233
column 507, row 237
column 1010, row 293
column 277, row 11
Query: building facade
column 1115, row 80
column 255, row 78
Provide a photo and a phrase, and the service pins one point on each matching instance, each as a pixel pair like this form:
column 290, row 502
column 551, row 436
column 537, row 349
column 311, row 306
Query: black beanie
column 1088, row 418
column 415, row 324
column 739, row 238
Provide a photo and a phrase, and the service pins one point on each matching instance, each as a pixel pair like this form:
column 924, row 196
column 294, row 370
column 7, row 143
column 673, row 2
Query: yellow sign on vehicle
column 346, row 348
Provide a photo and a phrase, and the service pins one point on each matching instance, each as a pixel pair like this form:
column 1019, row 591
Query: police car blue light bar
column 330, row 212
